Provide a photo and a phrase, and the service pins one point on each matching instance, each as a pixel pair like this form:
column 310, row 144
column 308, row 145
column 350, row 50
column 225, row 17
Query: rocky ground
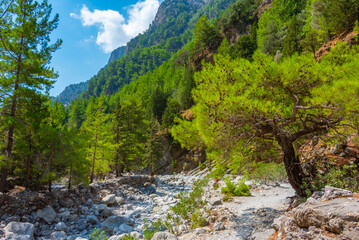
column 119, row 206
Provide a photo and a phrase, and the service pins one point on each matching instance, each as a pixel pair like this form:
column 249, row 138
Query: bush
column 151, row 229
column 129, row 237
column 198, row 220
column 268, row 172
column 232, row 190
column 98, row 234
column 346, row 177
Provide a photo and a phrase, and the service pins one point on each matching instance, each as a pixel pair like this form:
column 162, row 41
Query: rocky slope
column 117, row 54
column 330, row 214
column 119, row 206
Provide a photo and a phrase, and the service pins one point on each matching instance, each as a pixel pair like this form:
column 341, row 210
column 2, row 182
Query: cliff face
column 117, row 54
column 169, row 9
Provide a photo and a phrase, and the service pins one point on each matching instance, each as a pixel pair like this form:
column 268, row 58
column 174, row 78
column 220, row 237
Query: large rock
column 19, row 231
column 332, row 192
column 114, row 222
column 109, row 199
column 58, row 236
column 61, row 226
column 215, row 201
column 337, row 217
column 48, row 214
column 164, row 236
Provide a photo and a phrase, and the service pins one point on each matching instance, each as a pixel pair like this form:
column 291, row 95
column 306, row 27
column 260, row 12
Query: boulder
column 219, row 226
column 114, row 222
column 215, row 201
column 164, row 236
column 48, row 214
column 124, row 228
column 100, row 207
column 61, row 226
column 109, row 199
column 332, row 192
column 58, row 236
column 19, row 231
column 313, row 220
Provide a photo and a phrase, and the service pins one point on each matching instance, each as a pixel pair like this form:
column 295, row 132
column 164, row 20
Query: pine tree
column 25, row 53
column 97, row 134
column 128, row 128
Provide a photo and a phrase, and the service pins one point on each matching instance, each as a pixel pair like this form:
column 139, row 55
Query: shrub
column 346, row 177
column 98, row 234
column 129, row 237
column 198, row 220
column 232, row 190
column 151, row 229
column 268, row 172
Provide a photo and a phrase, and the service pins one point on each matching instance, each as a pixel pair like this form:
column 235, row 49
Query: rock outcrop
column 334, row 215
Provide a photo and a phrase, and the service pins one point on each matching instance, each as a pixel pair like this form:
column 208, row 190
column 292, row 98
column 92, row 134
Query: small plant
column 151, row 229
column 198, row 220
column 130, row 237
column 98, row 234
column 215, row 185
column 232, row 190
column 356, row 28
column 227, row 198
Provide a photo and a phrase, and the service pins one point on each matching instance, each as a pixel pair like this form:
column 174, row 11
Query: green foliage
column 242, row 189
column 268, row 172
column 197, row 219
column 171, row 112
column 215, row 186
column 189, row 202
column 130, row 237
column 98, row 234
column 154, row 149
column 150, row 229
column 345, row 177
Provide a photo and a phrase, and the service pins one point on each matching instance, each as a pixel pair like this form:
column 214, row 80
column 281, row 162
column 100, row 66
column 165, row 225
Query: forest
column 242, row 84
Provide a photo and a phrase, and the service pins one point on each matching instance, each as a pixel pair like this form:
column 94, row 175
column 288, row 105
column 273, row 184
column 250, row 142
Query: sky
column 90, row 30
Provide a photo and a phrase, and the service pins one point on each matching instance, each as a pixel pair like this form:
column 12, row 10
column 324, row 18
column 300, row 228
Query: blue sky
column 90, row 30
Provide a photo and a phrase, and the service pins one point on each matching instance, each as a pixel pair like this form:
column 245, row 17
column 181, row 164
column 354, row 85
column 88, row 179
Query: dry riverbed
column 119, row 206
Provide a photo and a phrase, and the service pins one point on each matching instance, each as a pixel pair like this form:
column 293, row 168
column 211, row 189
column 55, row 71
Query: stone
column 215, row 201
column 61, row 226
column 124, row 228
column 120, row 200
column 114, row 222
column 19, row 231
column 100, row 207
column 332, row 192
column 135, row 214
column 218, row 226
column 48, row 214
column 107, row 212
column 58, row 236
column 109, row 199
column 81, row 238
column 11, row 219
column 164, row 236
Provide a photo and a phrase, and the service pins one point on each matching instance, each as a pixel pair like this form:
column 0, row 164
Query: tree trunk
column 70, row 177
column 292, row 166
column 93, row 161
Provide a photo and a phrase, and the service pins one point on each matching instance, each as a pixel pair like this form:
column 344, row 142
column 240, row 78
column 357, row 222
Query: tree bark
column 292, row 166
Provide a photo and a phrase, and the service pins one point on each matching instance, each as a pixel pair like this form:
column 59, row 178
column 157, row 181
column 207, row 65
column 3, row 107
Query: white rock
column 58, row 236
column 109, row 199
column 61, row 226
column 19, row 231
column 124, row 228
column 100, row 207
column 48, row 214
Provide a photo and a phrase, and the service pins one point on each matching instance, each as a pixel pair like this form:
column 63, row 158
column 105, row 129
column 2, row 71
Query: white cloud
column 114, row 30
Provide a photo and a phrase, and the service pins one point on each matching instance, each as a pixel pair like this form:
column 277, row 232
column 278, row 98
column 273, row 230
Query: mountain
column 171, row 29
column 117, row 54
column 71, row 92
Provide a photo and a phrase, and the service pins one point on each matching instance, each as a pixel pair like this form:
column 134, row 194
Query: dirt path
column 245, row 217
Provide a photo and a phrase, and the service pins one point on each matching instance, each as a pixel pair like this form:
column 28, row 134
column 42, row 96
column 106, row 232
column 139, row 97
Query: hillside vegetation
column 239, row 87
